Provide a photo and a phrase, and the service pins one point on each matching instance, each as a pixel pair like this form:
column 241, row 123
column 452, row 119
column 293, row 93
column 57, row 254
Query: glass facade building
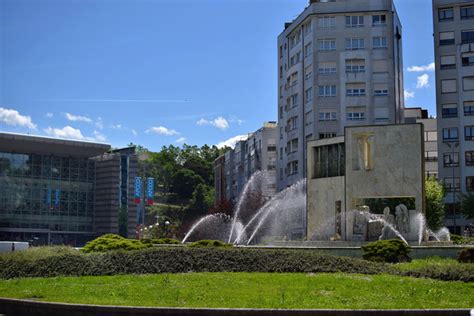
column 46, row 197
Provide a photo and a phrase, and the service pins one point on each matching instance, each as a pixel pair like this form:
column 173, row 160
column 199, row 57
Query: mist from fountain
column 258, row 178
column 219, row 217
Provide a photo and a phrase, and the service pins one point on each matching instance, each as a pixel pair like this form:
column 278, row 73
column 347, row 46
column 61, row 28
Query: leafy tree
column 434, row 194
column 184, row 182
column 467, row 205
column 200, row 202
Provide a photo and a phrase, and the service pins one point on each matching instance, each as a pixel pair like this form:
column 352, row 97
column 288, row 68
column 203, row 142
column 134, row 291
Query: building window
column 327, row 135
column 308, row 49
column 446, row 38
column 431, row 156
column 468, row 108
column 355, row 90
column 329, row 161
column 308, row 118
column 448, row 86
column 448, row 62
column 307, row 28
column 327, row 68
column 294, row 100
column 326, row 22
column 468, row 132
column 327, row 116
column 446, row 14
column 452, row 184
column 467, row 13
column 308, row 72
column 450, row 134
column 381, row 114
column 469, row 155
column 379, row 42
column 467, row 37
column 380, row 66
column 468, row 83
column 355, row 116
column 327, row 44
column 469, row 183
column 295, row 59
column 355, row 65
column 451, row 160
column 354, row 43
column 327, row 91
column 292, row 146
column 308, row 95
column 354, row 21
column 379, row 19
column 380, row 92
column 467, row 59
column 449, row 110
column 292, row 167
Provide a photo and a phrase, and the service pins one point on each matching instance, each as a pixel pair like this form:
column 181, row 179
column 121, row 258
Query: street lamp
column 453, row 147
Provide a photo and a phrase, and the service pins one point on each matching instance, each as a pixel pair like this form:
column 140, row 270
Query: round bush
column 466, row 255
column 110, row 242
column 392, row 251
column 161, row 241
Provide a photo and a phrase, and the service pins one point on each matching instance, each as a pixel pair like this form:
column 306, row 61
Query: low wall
column 14, row 307
column 9, row 246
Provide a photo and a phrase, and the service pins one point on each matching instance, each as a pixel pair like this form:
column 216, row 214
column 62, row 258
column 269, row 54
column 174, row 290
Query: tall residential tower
column 454, row 59
column 339, row 64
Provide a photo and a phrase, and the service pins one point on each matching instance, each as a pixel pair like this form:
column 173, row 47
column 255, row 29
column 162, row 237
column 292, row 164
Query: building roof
column 34, row 144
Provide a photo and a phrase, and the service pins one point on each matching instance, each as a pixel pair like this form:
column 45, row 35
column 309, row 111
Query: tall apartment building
column 419, row 115
column 233, row 169
column 339, row 64
column 454, row 54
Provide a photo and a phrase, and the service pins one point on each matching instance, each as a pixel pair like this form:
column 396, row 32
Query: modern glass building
column 48, row 189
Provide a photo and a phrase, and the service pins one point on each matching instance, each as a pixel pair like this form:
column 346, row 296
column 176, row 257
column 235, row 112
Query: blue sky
column 159, row 72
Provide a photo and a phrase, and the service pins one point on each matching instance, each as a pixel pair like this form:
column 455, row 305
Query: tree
column 185, row 182
column 200, row 203
column 434, row 194
column 467, row 205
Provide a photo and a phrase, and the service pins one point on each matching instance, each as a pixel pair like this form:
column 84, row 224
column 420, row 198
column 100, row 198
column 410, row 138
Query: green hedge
column 466, row 255
column 208, row 243
column 182, row 260
column 161, row 241
column 392, row 251
column 110, row 242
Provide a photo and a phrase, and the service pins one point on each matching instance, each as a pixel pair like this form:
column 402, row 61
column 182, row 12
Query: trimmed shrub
column 460, row 240
column 110, row 242
column 466, row 255
column 161, row 241
column 186, row 259
column 392, row 251
column 437, row 268
column 209, row 243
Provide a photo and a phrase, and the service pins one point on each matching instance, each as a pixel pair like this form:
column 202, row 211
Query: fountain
column 207, row 222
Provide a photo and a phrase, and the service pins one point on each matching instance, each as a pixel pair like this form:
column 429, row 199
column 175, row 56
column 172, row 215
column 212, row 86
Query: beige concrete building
column 233, row 169
column 419, row 115
column 339, row 64
column 368, row 163
column 454, row 58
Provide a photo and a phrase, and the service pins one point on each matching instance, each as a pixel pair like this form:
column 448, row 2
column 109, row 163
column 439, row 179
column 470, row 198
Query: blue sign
column 150, row 188
column 138, row 189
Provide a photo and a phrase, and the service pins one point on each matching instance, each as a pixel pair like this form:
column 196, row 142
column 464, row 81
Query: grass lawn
column 247, row 290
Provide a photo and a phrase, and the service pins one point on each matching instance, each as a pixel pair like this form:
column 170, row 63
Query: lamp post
column 453, row 147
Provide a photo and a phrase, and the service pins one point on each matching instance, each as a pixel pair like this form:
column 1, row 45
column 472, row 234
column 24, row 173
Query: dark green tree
column 467, row 205
column 184, row 182
column 434, row 195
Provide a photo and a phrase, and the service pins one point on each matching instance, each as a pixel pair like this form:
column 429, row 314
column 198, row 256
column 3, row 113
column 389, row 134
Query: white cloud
column 134, row 132
column 409, row 94
column 231, row 141
column 422, row 81
column 181, row 140
column 235, row 119
column 49, row 115
column 13, row 118
column 99, row 124
column 117, row 126
column 65, row 132
column 99, row 136
column 161, row 130
column 220, row 123
column 429, row 67
column 77, row 118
